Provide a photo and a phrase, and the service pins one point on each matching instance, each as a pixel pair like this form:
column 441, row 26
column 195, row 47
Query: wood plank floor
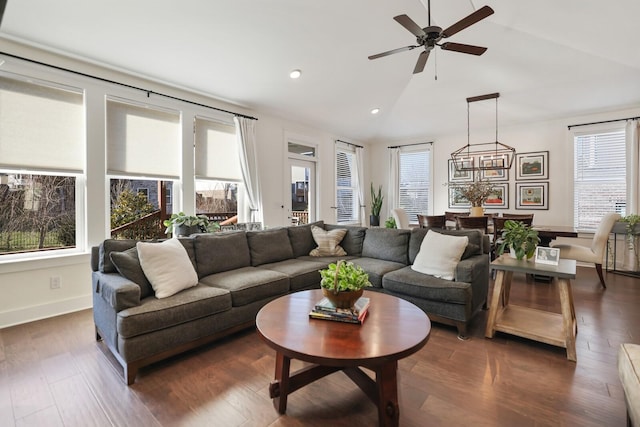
column 52, row 373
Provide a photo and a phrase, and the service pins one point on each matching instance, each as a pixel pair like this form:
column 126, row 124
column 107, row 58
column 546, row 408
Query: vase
column 185, row 230
column 476, row 211
column 344, row 299
column 374, row 220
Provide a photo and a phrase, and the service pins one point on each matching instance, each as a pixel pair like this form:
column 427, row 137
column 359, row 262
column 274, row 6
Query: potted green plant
column 390, row 223
column 181, row 224
column 519, row 238
column 376, row 205
column 343, row 283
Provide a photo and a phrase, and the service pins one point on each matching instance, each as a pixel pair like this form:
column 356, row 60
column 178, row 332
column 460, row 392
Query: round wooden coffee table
column 393, row 329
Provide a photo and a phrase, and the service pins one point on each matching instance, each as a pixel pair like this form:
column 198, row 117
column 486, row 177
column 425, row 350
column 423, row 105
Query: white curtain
column 633, row 166
column 394, row 179
column 246, row 134
column 359, row 175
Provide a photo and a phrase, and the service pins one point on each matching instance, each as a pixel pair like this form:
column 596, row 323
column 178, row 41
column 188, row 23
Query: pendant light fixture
column 483, row 156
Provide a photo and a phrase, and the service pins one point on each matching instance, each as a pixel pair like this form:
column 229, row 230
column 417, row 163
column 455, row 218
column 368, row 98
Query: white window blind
column 414, row 183
column 216, row 151
column 599, row 177
column 348, row 206
column 143, row 140
column 41, row 126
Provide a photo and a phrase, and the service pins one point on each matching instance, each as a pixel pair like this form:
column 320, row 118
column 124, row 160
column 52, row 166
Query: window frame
column 409, row 150
column 356, row 211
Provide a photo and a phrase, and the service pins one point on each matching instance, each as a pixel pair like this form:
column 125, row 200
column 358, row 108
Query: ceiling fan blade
column 464, row 48
column 391, row 52
column 422, row 61
column 408, row 23
column 476, row 16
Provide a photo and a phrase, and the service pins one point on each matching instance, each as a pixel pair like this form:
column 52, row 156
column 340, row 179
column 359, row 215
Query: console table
column 620, row 228
column 538, row 325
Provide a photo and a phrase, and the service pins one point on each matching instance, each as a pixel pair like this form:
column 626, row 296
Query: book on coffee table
column 325, row 310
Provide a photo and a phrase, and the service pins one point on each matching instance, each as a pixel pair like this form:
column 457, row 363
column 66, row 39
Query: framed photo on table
column 456, row 175
column 545, row 255
column 532, row 195
column 499, row 199
column 532, row 165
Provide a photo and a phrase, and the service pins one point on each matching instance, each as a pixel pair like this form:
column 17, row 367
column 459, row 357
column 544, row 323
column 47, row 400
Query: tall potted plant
column 519, row 238
column 376, row 205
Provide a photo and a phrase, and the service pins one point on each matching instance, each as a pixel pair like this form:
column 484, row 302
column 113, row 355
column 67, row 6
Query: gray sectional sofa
column 239, row 272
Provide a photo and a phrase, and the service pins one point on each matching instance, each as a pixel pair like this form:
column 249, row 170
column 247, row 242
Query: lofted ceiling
column 547, row 58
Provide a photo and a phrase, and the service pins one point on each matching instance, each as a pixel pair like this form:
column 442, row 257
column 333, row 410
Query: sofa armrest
column 119, row 292
column 475, row 270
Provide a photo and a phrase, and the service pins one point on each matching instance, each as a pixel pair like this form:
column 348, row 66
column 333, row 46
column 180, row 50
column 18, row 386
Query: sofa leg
column 130, row 374
column 462, row 331
column 98, row 337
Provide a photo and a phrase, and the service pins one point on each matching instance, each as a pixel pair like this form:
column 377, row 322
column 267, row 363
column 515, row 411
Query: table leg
column 568, row 317
column 279, row 389
column 387, row 383
column 508, row 276
column 497, row 301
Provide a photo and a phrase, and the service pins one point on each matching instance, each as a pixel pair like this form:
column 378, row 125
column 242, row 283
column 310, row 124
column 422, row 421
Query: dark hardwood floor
column 52, row 373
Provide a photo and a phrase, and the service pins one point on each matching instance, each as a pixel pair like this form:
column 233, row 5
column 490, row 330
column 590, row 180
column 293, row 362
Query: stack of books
column 325, row 310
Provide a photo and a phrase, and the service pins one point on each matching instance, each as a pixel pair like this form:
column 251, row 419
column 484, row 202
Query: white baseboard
column 43, row 311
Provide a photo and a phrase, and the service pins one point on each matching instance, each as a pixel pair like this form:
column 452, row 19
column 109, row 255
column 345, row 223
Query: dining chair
column 402, row 220
column 433, row 221
column 473, row 223
column 450, row 217
column 594, row 253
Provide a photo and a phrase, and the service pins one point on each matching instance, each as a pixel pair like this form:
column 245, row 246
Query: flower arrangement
column 476, row 192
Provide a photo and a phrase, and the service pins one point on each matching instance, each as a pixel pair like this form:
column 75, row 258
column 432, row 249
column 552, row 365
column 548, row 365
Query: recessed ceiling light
column 375, row 111
column 295, row 74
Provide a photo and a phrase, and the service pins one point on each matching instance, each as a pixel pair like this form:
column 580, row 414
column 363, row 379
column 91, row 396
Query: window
column 414, row 181
column 42, row 148
column 599, row 176
column 347, row 197
column 217, row 167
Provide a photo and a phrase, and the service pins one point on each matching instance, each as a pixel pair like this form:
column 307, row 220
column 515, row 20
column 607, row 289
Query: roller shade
column 143, row 140
column 41, row 126
column 216, row 151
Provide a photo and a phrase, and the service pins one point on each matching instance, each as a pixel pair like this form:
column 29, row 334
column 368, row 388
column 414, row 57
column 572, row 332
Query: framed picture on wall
column 532, row 195
column 457, row 200
column 456, row 175
column 532, row 165
column 499, row 199
column 493, row 174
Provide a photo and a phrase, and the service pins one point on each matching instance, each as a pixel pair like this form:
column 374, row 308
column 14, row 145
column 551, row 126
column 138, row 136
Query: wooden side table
column 538, row 325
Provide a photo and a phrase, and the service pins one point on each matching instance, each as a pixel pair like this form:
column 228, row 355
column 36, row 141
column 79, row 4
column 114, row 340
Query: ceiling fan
column 431, row 35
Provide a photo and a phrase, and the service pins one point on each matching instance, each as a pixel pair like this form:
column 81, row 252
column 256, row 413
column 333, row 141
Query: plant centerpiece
column 343, row 283
column 376, row 205
column 476, row 192
column 181, row 224
column 519, row 238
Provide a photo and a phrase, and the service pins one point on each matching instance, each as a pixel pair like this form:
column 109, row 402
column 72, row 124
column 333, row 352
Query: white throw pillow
column 328, row 241
column 167, row 266
column 440, row 254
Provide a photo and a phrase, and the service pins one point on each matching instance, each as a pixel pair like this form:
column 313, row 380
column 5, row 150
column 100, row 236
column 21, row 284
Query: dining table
column 547, row 233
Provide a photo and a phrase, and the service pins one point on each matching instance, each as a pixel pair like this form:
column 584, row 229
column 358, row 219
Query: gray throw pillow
column 128, row 265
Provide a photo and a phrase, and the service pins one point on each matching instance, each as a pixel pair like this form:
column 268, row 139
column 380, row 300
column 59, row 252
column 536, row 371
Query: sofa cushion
column 301, row 238
column 406, row 281
column 353, row 240
column 217, row 252
column 128, row 265
column 167, row 266
column 328, row 242
column 112, row 245
column 156, row 314
column 302, row 274
column 440, row 254
column 474, row 247
column 249, row 284
column 386, row 244
column 629, row 373
column 269, row 246
column 376, row 268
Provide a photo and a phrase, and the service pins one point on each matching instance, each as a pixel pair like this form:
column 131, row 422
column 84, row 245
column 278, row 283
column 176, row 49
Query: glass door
column 301, row 187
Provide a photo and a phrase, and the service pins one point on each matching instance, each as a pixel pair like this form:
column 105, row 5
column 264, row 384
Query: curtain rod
column 148, row 92
column 409, row 145
column 349, row 143
column 603, row 121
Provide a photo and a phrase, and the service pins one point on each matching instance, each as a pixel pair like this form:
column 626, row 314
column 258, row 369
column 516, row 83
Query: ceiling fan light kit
column 487, row 155
column 430, row 36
